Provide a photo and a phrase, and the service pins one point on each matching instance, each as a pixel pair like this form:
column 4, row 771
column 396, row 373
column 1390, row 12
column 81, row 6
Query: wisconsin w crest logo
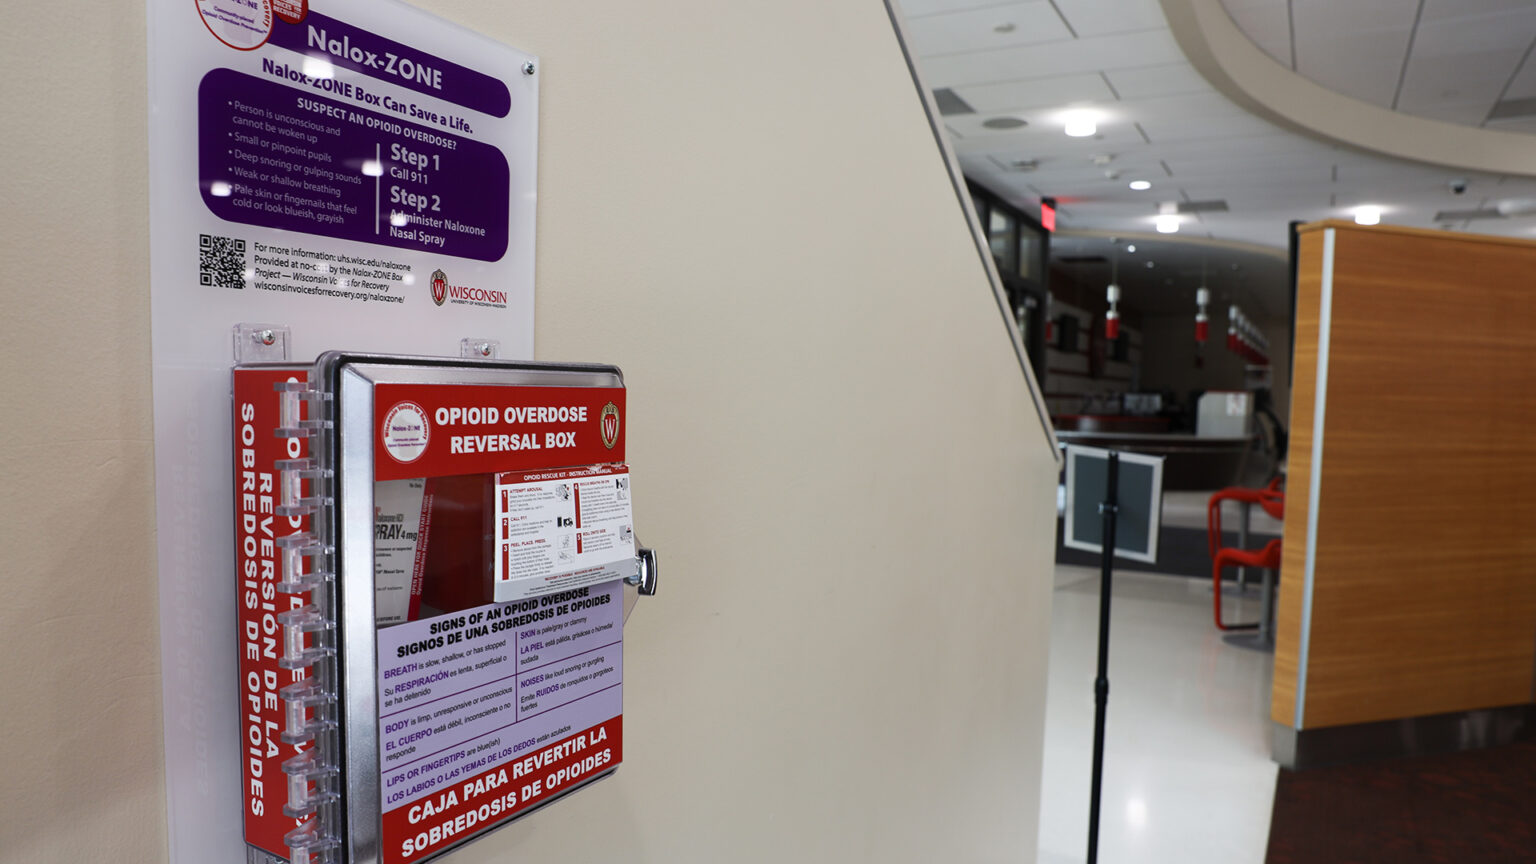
column 609, row 421
column 439, row 287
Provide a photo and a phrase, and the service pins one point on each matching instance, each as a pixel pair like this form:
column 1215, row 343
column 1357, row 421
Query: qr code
column 221, row 262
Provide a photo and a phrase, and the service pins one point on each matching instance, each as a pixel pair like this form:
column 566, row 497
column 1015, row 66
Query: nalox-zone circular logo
column 243, row 25
column 439, row 287
column 405, row 432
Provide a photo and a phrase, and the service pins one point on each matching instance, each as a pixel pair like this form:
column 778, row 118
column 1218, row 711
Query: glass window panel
column 1000, row 233
column 1029, row 253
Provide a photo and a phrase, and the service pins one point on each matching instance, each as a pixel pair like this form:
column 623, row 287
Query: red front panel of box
column 257, row 448
column 487, row 799
column 427, row 430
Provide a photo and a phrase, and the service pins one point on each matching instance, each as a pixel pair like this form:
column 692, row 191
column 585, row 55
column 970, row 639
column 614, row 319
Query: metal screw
column 528, row 68
column 266, row 337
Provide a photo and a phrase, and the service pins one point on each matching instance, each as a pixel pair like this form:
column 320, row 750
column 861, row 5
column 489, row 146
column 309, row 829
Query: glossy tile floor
column 1187, row 773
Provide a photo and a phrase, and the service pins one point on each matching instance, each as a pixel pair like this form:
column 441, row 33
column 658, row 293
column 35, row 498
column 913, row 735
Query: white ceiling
column 1162, row 122
column 1449, row 60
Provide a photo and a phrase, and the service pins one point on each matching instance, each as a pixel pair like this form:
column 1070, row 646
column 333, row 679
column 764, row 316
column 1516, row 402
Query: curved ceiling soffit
column 1241, row 70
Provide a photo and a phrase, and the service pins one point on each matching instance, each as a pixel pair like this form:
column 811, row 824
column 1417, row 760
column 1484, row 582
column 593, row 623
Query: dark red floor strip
column 1462, row 808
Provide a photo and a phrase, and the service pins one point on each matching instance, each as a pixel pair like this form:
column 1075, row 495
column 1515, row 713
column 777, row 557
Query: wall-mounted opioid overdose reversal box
column 434, row 563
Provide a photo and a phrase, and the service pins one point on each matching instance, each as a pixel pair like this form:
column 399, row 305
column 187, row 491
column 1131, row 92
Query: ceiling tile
column 1237, row 172
column 1457, row 111
column 1359, row 17
column 1287, row 199
column 1267, row 23
column 1364, row 69
column 1382, row 172
column 1263, row 150
column 1039, row 142
column 917, row 8
column 1437, row 10
column 1515, row 124
column 978, row 168
column 1359, row 68
column 1354, row 48
column 1103, row 17
column 1195, row 116
column 1512, row 185
column 1078, row 176
column 1057, row 92
column 1180, row 105
column 1235, row 126
column 1459, row 65
column 1169, row 80
column 1147, row 48
column 1524, row 84
column 960, row 32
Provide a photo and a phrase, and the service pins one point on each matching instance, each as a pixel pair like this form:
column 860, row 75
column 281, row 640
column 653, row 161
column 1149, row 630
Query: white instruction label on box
column 556, row 530
column 401, row 520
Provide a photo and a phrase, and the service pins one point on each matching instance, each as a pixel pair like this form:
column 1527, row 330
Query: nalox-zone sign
column 363, row 173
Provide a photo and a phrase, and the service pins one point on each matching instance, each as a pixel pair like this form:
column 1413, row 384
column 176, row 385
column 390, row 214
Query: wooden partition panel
column 1288, row 611
column 1423, row 584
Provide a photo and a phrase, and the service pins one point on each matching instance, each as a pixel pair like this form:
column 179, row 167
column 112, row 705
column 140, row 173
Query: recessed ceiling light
column 1005, row 27
column 1141, row 185
column 1168, row 223
column 1131, row 248
column 1005, row 122
column 1368, row 215
column 1079, row 124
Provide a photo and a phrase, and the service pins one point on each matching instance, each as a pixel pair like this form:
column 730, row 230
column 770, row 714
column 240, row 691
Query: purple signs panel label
column 284, row 157
column 462, row 692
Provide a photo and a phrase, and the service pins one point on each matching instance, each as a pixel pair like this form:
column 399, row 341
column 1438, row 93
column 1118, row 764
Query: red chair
column 1267, row 558
column 1272, row 500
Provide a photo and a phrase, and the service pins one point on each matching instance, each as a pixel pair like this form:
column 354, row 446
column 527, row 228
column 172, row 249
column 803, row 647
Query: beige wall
column 742, row 205
column 80, row 753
